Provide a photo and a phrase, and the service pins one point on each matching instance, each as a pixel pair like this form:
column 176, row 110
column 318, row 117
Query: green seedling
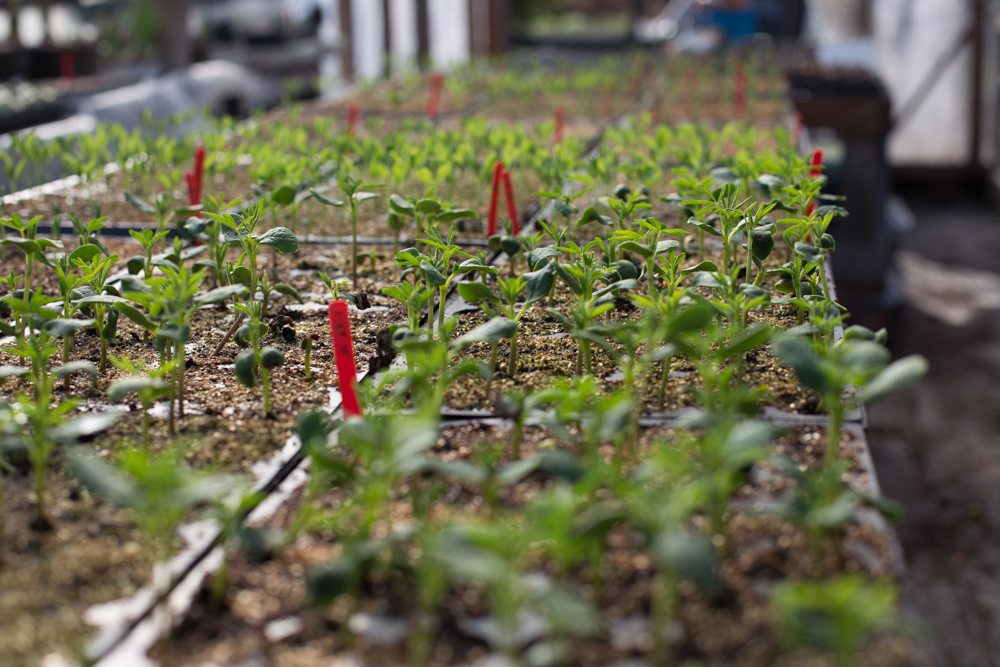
column 837, row 616
column 846, row 374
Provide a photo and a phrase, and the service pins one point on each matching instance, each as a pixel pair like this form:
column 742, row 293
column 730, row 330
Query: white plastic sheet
column 910, row 37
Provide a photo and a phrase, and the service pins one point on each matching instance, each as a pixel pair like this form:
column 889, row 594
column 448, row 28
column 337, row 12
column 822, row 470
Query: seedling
column 148, row 385
column 513, row 298
column 845, row 375
column 158, row 489
column 838, row 615
column 356, row 193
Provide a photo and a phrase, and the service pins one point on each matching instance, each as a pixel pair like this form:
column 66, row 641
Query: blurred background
column 901, row 95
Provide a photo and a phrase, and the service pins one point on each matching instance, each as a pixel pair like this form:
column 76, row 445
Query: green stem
column 179, row 354
column 834, row 426
column 517, row 437
column 442, row 294
column 354, row 245
column 512, row 360
column 265, row 381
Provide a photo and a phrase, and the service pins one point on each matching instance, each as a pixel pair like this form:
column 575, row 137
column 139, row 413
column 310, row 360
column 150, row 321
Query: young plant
column 159, row 490
column 100, row 301
column 240, row 229
column 512, row 299
column 838, row 615
column 357, row 193
column 257, row 359
column 148, row 385
column 846, row 374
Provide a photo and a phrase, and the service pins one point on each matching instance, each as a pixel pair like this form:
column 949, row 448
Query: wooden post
column 387, row 37
column 423, row 34
column 175, row 47
column 346, row 40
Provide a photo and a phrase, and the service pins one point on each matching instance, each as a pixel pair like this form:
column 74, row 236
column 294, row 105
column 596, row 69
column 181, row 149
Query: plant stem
column 834, row 426
column 517, row 437
column 443, row 292
column 354, row 244
column 512, row 360
column 265, row 381
column 179, row 354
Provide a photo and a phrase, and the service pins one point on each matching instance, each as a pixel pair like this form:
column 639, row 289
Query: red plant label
column 343, row 352
column 67, row 65
column 199, row 171
column 353, row 113
column 508, row 189
column 815, row 170
column 491, row 222
column 192, row 187
column 434, row 100
column 740, row 91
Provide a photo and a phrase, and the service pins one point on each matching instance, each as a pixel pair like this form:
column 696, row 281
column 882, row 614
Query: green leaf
column 84, row 426
column 864, row 357
column 282, row 239
column 453, row 214
column 284, row 195
column 428, row 206
column 106, row 299
column 693, row 318
column 431, row 274
column 402, row 206
column 245, row 367
column 64, row 326
column 135, row 384
column 539, row 283
column 220, row 294
column 496, row 329
column 801, row 358
column 102, row 478
column 326, row 583
column 460, row 470
column 78, row 366
column 688, row 555
column 475, row 292
column 326, row 201
column 10, row 371
column 271, row 357
column 898, row 375
column 360, row 197
column 85, row 253
column 590, row 214
column 289, row 291
column 706, row 266
column 136, row 315
column 139, row 204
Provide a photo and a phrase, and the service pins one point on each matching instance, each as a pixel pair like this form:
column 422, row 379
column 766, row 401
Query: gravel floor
column 937, row 447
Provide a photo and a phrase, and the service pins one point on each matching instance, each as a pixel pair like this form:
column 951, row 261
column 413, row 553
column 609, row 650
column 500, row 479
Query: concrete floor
column 937, row 446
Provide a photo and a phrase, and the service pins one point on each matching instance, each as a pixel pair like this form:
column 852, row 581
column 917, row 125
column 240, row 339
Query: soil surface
column 733, row 628
column 937, row 446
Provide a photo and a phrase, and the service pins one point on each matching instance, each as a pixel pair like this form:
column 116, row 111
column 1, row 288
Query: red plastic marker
column 740, row 91
column 560, row 121
column 353, row 112
column 199, row 171
column 491, row 224
column 816, row 170
column 67, row 65
column 434, row 100
column 508, row 189
column 343, row 352
column 192, row 187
